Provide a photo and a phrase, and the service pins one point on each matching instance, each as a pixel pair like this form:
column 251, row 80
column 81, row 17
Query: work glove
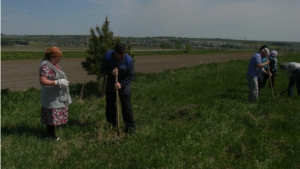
column 62, row 82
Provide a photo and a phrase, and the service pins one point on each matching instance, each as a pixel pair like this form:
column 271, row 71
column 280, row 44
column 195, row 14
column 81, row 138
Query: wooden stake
column 117, row 108
column 270, row 79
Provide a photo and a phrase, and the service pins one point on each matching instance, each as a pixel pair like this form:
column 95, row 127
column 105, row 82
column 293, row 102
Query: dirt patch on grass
column 23, row 74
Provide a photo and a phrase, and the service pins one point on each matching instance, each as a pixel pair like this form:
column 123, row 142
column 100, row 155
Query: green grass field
column 186, row 118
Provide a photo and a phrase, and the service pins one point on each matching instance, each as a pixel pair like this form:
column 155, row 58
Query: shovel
column 281, row 93
column 117, row 108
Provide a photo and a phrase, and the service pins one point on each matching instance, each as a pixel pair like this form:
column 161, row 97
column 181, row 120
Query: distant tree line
column 165, row 45
column 5, row 42
column 11, row 42
column 162, row 42
column 281, row 44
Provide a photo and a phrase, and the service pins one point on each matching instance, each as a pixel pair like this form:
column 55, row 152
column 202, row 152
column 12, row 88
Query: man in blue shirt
column 254, row 70
column 118, row 63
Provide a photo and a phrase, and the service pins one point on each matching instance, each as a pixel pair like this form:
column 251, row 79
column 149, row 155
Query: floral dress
column 52, row 116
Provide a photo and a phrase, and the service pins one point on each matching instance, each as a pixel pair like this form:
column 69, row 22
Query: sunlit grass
column 33, row 43
column 186, row 118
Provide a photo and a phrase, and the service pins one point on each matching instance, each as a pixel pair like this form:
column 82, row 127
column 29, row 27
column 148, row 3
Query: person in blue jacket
column 254, row 71
column 118, row 63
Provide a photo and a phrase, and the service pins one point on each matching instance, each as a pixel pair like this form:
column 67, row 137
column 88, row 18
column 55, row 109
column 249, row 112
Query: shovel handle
column 117, row 108
column 281, row 93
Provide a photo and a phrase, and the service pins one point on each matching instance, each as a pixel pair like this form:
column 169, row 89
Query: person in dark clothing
column 264, row 75
column 263, row 79
column 273, row 66
column 118, row 63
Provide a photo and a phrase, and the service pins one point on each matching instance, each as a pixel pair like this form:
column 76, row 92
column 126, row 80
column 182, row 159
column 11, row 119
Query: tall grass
column 186, row 118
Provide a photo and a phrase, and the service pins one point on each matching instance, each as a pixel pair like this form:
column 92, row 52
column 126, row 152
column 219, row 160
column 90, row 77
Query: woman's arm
column 263, row 64
column 287, row 74
column 46, row 82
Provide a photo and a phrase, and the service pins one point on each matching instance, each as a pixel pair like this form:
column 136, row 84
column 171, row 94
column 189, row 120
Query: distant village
column 181, row 43
column 157, row 42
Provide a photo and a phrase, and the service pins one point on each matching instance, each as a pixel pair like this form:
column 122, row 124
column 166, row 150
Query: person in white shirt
column 292, row 71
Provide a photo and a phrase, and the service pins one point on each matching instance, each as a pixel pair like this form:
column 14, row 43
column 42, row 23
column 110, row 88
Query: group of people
column 263, row 66
column 55, row 96
column 268, row 71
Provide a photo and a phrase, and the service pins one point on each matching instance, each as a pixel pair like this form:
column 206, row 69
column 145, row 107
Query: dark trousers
column 51, row 131
column 263, row 79
column 127, row 113
column 294, row 79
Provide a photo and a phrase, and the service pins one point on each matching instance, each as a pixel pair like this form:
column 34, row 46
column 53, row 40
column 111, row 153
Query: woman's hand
column 62, row 82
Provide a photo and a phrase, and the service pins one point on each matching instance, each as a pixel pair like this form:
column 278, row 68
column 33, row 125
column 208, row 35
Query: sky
column 269, row 20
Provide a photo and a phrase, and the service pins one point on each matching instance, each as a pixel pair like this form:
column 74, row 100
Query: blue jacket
column 126, row 72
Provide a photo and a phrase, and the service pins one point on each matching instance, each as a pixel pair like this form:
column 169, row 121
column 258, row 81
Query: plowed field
column 22, row 74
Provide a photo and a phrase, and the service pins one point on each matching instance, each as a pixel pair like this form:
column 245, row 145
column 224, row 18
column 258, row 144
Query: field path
column 22, row 74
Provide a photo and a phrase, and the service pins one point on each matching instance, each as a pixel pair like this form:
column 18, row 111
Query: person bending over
column 292, row 71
